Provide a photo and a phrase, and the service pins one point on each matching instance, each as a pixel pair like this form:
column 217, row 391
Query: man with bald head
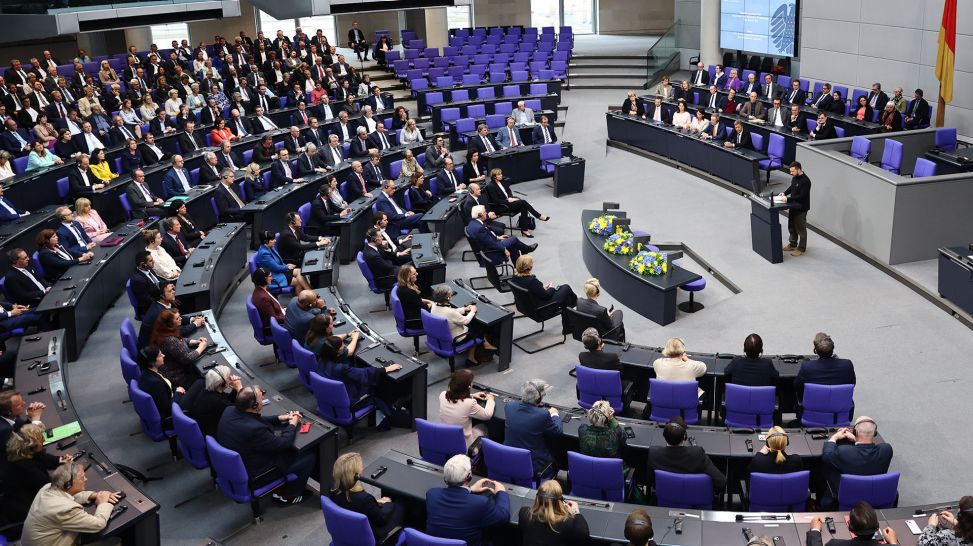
column 301, row 310
column 854, row 451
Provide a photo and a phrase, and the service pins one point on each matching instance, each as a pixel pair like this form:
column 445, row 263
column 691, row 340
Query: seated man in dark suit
column 8, row 212
column 266, row 444
column 482, row 142
column 543, row 133
column 680, row 459
column 530, row 426
column 71, row 234
column 188, row 141
column 373, row 171
column 280, row 170
column 399, row 218
column 658, row 112
column 824, row 370
column 14, row 315
column 379, row 139
column 359, row 144
column 380, row 260
column 294, row 142
column 610, row 322
column 209, row 171
column 174, row 242
column 863, row 523
column 714, row 101
column 794, row 122
column 332, row 154
column 751, row 370
column 823, row 100
column 594, row 355
column 824, row 129
column 917, row 114
column 474, row 198
column 160, row 124
column 739, row 138
column 177, row 181
column 143, row 280
column 87, row 140
column 853, row 451
column 795, row 95
column 226, row 158
column 141, row 199
column 496, row 247
column 323, row 212
column 151, row 152
column 21, row 283
column 162, row 300
column 228, row 201
column 81, row 182
column 448, row 180
column 293, row 242
column 15, row 139
column 463, row 510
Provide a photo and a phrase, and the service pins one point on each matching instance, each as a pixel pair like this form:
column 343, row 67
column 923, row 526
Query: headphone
column 469, row 476
column 219, row 373
column 68, row 484
column 787, row 439
column 547, row 496
column 255, row 403
column 865, row 420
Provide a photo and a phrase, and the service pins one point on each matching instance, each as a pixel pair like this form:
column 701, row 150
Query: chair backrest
column 304, row 211
column 684, row 490
column 881, row 491
column 946, row 139
column 129, row 337
column 305, row 361
column 439, row 442
column 839, row 132
column 507, row 464
column 464, row 125
column 131, row 299
column 672, row 398
column 346, row 528
column 750, row 406
column 486, row 93
column 595, row 385
column 861, row 148
column 504, row 108
column 476, row 111
column 438, row 337
column 779, row 492
column 892, row 156
column 366, row 272
column 231, row 475
column 551, row 151
column 191, row 441
column 130, row 370
column 827, row 405
column 333, row 402
column 282, row 340
column 923, row 167
column 496, row 121
column 147, row 411
column 411, row 537
column 758, row 141
column 596, row 477
column 256, row 322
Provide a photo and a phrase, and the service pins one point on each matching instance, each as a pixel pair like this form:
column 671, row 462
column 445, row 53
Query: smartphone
column 629, row 433
column 911, row 524
column 305, row 427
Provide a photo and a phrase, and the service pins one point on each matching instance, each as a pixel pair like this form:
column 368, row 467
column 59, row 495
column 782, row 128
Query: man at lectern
column 799, row 192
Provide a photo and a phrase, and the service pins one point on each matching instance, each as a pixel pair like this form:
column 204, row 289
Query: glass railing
column 661, row 55
column 61, row 6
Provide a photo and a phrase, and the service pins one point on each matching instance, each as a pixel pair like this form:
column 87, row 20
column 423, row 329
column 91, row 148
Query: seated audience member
column 552, row 520
column 751, row 370
column 500, row 197
column 28, row 467
column 675, row 364
column 399, row 218
column 181, row 353
column 540, row 294
column 474, row 171
column 164, row 266
column 101, row 167
column 657, row 112
column 916, row 115
column 638, row 529
column 23, row 285
column 529, row 426
column 152, row 362
column 57, row 514
column 228, row 201
column 70, row 233
column 336, row 362
column 890, row 119
column 680, row 459
column 55, row 259
column 681, row 118
column 946, row 529
column 608, row 320
column 381, row 261
column 496, row 246
column 863, row 524
column 420, row 198
column 284, row 274
column 265, row 302
column 327, row 207
column 411, row 297
column 543, row 133
column 509, row 136
column 294, row 242
column 773, row 458
column 94, row 227
column 795, row 120
column 206, row 401
column 857, row 454
column 144, row 203
column 633, row 105
column 601, row 436
column 174, row 243
column 458, row 405
column 301, row 310
column 739, row 138
column 461, row 325
column 347, row 492
column 862, row 111
column 266, row 444
column 448, row 180
column 464, row 510
column 824, row 129
column 824, row 370
column 41, row 158
column 594, row 356
column 177, row 209
column 165, row 299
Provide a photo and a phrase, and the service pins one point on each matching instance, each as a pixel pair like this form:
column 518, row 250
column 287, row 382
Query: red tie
column 513, row 140
column 182, row 249
column 303, row 115
column 362, row 180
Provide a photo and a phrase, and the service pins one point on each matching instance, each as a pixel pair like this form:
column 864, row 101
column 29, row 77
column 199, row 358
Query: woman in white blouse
column 6, row 168
column 682, row 118
column 148, row 108
column 410, row 133
column 459, row 320
column 665, row 90
column 87, row 101
column 459, row 406
column 199, row 63
column 195, row 100
column 699, row 124
column 675, row 364
column 173, row 104
column 165, row 267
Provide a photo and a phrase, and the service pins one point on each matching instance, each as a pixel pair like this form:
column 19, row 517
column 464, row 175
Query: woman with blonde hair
column 348, row 493
column 410, row 133
column 409, row 166
column 610, row 321
column 540, row 294
column 552, row 520
column 165, row 267
column 602, row 435
column 90, row 220
column 773, row 458
column 675, row 364
column 458, row 405
column 28, row 467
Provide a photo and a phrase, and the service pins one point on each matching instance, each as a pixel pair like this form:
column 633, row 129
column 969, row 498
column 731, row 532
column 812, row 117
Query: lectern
column 568, row 175
column 765, row 227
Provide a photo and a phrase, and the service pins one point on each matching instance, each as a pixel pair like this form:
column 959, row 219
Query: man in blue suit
column 177, row 180
column 509, row 136
column 8, row 212
column 398, row 217
column 280, row 170
column 15, row 140
column 824, row 370
column 530, row 426
column 496, row 247
column 71, row 235
column 853, row 451
column 463, row 510
column 543, row 133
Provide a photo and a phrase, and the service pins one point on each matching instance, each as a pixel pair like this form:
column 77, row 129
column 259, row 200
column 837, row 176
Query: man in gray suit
column 333, row 153
column 610, row 323
column 754, row 108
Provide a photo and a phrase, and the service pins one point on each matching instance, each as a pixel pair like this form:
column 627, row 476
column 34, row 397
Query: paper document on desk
column 777, row 200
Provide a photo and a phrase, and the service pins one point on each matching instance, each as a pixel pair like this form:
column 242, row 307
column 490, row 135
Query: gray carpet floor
column 912, row 359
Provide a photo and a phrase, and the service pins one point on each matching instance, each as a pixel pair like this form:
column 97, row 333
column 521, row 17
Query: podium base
column 690, row 306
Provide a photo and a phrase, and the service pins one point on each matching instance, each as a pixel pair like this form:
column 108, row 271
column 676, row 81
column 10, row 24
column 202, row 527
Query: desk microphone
column 250, row 375
column 412, row 462
column 60, row 401
column 97, row 463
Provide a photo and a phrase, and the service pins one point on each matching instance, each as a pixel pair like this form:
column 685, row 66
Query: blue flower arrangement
column 649, row 263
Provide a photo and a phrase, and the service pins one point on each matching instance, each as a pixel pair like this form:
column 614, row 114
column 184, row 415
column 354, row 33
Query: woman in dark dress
column 55, row 259
column 383, row 514
column 181, row 353
column 65, row 147
column 131, row 157
column 540, row 293
column 772, row 458
column 420, row 197
column 177, row 209
column 474, row 171
column 155, row 382
column 752, row 371
column 28, row 467
column 409, row 295
column 552, row 520
column 400, row 118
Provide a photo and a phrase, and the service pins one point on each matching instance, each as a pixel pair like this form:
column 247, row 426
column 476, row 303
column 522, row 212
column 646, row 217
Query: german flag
column 947, row 51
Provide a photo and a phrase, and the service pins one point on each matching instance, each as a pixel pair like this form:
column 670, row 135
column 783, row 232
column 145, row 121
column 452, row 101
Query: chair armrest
column 543, row 472
column 390, row 538
column 364, row 400
column 415, row 324
column 745, row 491
column 610, row 333
column 466, row 335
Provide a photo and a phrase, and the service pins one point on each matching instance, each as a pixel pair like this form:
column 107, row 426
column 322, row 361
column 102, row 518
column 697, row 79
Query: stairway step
column 640, row 64
column 612, row 85
column 585, row 76
column 606, row 57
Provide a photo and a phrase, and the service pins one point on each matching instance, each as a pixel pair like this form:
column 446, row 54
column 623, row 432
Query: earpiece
column 787, row 439
column 70, row 482
column 854, row 429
